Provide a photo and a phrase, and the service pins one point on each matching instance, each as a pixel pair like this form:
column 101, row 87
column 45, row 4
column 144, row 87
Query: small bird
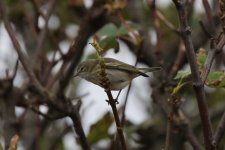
column 118, row 73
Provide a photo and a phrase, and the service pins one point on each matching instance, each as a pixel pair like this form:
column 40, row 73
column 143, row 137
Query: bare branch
column 15, row 69
column 208, row 13
column 178, row 61
column 23, row 59
column 197, row 82
column 220, row 130
column 112, row 103
column 159, row 98
column 75, row 117
column 191, row 137
column 216, row 48
column 43, row 34
column 168, row 130
column 158, row 52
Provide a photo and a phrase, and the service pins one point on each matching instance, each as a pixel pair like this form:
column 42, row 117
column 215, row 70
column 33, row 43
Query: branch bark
column 198, row 85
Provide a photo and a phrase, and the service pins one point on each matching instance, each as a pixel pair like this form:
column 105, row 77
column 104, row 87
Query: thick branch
column 197, row 82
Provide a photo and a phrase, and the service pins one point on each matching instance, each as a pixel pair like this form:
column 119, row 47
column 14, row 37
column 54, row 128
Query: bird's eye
column 82, row 69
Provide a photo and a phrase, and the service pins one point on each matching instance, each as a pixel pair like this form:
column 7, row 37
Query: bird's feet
column 114, row 101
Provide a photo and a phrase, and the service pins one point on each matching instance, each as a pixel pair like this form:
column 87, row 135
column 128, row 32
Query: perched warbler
column 118, row 73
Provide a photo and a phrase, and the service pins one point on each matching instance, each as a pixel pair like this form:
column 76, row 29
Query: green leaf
column 99, row 130
column 182, row 74
column 201, row 57
column 108, row 30
column 178, row 87
column 91, row 56
column 109, row 42
column 222, row 83
column 124, row 31
column 216, row 79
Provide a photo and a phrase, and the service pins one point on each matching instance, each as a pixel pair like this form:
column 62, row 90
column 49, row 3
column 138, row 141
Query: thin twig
column 158, row 15
column 32, row 77
column 76, row 50
column 31, row 20
column 189, row 134
column 158, row 52
column 221, row 126
column 220, row 130
column 197, row 82
column 159, row 98
column 15, row 69
column 123, row 118
column 42, row 36
column 205, row 30
column 222, row 10
column 23, row 59
column 111, row 101
column 55, row 77
column 168, row 130
column 208, row 13
column 75, row 117
column 73, row 113
column 217, row 48
column 40, row 113
column 161, row 17
column 179, row 59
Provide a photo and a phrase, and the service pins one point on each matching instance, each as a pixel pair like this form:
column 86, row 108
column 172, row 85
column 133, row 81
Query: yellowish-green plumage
column 119, row 73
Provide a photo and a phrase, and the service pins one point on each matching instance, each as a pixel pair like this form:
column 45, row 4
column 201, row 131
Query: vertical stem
column 75, row 117
column 197, row 82
column 168, row 130
column 106, row 84
column 220, row 130
column 112, row 103
column 123, row 118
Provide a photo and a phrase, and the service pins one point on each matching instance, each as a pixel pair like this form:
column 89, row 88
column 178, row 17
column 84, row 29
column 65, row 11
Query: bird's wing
column 115, row 64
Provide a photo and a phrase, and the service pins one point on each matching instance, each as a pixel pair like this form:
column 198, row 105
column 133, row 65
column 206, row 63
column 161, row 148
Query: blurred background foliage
column 55, row 48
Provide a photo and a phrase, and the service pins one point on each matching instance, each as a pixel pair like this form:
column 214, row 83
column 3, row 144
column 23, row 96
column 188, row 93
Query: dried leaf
column 13, row 142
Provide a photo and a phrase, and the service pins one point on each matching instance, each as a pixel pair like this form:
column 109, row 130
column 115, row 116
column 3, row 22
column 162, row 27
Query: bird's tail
column 145, row 70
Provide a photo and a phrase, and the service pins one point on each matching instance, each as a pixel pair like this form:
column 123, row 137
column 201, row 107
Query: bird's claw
column 107, row 101
column 115, row 101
